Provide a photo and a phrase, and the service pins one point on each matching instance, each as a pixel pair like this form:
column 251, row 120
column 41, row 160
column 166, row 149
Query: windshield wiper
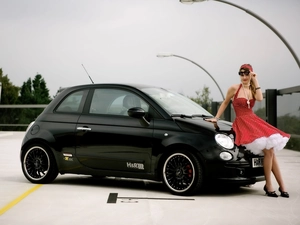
column 190, row 116
column 202, row 115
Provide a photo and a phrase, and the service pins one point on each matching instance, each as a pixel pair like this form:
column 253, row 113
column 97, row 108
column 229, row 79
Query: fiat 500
column 135, row 131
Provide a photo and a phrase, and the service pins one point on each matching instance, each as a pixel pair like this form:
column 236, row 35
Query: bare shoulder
column 233, row 89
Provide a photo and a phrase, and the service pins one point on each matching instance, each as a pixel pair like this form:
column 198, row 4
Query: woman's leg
column 268, row 165
column 277, row 173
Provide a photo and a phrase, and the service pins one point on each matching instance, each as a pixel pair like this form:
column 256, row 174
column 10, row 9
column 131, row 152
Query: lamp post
column 255, row 16
column 0, row 91
column 161, row 55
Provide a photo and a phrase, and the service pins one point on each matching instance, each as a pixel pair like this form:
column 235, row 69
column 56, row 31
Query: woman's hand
column 212, row 120
column 254, row 79
column 253, row 75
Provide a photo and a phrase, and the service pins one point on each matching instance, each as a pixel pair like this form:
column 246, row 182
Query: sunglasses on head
column 246, row 72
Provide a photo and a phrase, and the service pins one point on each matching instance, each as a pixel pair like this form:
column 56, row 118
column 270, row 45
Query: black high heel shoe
column 283, row 193
column 270, row 193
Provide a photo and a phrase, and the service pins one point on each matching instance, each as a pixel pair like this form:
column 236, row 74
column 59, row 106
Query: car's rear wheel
column 38, row 164
column 182, row 173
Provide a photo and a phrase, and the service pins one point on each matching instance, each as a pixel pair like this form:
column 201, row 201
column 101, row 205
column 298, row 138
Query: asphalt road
column 84, row 200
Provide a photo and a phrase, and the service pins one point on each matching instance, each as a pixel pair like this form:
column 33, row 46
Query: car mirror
column 139, row 113
column 136, row 112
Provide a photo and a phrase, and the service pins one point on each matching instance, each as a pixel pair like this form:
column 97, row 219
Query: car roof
column 132, row 85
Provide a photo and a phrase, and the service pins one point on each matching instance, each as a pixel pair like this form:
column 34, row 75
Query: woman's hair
column 252, row 88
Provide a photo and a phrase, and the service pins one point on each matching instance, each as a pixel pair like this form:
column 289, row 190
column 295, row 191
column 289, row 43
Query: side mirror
column 136, row 112
column 139, row 113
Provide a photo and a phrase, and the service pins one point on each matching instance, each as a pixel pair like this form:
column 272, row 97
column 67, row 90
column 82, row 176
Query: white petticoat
column 275, row 141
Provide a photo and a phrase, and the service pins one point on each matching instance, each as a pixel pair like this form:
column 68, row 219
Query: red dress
column 253, row 132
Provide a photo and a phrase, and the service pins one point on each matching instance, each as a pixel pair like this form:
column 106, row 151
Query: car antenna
column 87, row 73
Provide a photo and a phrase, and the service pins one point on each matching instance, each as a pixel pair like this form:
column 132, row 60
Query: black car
column 134, row 131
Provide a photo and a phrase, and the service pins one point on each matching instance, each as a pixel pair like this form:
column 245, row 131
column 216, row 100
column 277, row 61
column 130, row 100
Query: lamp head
column 188, row 2
column 161, row 55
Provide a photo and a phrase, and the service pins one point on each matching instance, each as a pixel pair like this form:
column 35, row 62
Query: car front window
column 175, row 103
column 115, row 102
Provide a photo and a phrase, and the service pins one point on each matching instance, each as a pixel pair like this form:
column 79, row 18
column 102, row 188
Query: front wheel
column 38, row 164
column 182, row 173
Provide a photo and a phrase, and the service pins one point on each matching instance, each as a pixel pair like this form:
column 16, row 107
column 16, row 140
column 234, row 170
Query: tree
column 202, row 98
column 33, row 92
column 9, row 92
column 9, row 95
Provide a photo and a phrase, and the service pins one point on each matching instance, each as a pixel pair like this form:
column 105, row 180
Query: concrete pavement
column 73, row 199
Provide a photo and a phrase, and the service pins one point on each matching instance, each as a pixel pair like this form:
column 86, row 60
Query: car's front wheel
column 38, row 164
column 182, row 173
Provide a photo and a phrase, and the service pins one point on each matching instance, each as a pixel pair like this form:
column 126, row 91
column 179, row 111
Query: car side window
column 115, row 102
column 72, row 102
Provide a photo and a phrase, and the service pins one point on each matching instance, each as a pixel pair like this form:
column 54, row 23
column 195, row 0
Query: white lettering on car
column 139, row 166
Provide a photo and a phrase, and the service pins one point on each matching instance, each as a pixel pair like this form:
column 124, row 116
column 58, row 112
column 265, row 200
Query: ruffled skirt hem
column 275, row 141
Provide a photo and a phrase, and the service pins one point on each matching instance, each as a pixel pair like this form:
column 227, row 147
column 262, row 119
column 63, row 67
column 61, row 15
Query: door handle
column 84, row 128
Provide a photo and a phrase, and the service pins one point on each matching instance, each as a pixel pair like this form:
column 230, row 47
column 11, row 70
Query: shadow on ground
column 137, row 184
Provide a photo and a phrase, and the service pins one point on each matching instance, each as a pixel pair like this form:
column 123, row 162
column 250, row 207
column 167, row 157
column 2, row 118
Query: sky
column 117, row 41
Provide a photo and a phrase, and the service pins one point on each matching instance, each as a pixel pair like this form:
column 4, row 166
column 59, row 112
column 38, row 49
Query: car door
column 108, row 139
column 61, row 121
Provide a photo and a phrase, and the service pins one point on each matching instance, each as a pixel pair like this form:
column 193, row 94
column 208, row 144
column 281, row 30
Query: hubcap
column 179, row 172
column 36, row 163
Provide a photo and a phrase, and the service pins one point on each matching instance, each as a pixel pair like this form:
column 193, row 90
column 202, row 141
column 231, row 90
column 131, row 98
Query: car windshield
column 175, row 103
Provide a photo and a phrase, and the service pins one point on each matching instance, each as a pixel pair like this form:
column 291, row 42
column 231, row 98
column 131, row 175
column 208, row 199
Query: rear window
column 72, row 103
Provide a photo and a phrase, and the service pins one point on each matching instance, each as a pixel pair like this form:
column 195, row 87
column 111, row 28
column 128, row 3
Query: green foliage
column 9, row 95
column 290, row 125
column 32, row 92
column 202, row 98
column 9, row 92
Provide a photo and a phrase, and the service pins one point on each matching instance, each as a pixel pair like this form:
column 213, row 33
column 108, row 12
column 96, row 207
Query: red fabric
column 247, row 66
column 247, row 125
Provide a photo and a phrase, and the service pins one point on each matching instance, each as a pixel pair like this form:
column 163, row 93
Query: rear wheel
column 38, row 164
column 182, row 173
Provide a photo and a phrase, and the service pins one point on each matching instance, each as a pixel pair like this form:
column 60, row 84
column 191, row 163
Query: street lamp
column 257, row 17
column 161, row 55
column 0, row 91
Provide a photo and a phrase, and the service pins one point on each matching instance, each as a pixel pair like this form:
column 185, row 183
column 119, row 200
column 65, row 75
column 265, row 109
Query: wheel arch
column 170, row 149
column 40, row 141
column 36, row 141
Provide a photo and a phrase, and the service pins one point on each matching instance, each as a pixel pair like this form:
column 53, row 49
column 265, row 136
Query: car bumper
column 236, row 173
column 241, row 180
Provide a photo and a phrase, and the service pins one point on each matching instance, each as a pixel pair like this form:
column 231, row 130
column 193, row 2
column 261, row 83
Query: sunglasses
column 246, row 72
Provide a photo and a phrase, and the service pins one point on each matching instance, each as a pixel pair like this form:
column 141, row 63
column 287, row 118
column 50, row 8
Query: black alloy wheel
column 182, row 173
column 38, row 165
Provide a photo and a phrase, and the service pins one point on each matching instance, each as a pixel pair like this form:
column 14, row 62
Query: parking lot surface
column 78, row 199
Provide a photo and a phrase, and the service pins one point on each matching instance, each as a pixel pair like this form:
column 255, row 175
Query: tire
column 38, row 164
column 182, row 173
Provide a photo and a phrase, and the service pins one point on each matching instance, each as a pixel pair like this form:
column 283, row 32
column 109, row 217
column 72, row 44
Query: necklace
column 247, row 97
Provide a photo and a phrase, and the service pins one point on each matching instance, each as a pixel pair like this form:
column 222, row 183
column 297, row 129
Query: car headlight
column 29, row 126
column 226, row 156
column 224, row 140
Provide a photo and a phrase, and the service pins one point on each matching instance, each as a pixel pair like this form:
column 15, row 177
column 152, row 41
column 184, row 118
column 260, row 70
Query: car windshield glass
column 175, row 103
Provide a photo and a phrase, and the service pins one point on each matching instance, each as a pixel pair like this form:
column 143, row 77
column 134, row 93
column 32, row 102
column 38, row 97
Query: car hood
column 199, row 125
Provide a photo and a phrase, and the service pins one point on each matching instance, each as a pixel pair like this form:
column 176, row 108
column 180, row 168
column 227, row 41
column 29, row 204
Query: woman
column 251, row 131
